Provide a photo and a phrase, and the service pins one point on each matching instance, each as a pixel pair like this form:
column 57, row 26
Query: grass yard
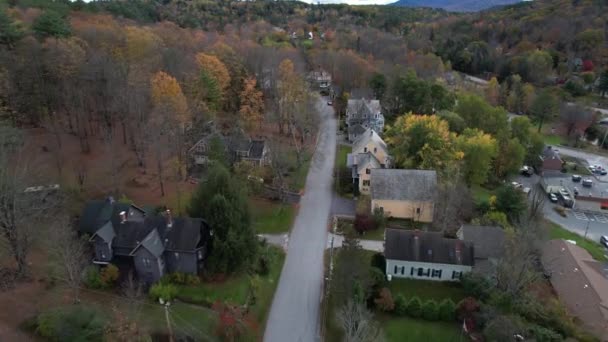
column 481, row 194
column 576, row 166
column 554, row 140
column 195, row 321
column 270, row 217
column 236, row 289
column 297, row 177
column 341, row 152
column 595, row 249
column 408, row 329
column 438, row 290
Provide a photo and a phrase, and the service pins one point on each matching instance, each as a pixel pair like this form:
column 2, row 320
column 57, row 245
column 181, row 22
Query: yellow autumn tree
column 252, row 104
column 168, row 99
column 216, row 68
column 493, row 92
column 422, row 141
column 479, row 150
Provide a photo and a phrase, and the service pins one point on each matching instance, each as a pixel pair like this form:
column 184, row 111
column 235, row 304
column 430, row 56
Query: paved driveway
column 294, row 315
column 341, row 206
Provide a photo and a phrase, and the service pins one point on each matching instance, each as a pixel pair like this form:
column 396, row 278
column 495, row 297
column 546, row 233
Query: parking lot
column 590, row 216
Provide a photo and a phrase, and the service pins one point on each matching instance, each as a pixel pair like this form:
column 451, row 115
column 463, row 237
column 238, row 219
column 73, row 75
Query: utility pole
column 587, row 229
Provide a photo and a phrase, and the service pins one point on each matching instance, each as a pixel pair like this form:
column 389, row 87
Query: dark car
column 576, row 178
column 604, row 241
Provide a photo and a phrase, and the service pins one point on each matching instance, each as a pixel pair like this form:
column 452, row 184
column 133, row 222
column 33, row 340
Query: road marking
column 580, row 215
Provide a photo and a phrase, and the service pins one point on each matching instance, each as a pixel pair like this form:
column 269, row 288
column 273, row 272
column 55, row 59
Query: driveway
column 294, row 315
column 341, row 206
column 335, row 241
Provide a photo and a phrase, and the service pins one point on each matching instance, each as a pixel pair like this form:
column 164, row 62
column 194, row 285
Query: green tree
column 510, row 201
column 479, row 150
column 10, row 32
column 540, row 64
column 455, row 121
column 510, row 157
column 221, row 201
column 52, row 24
column 378, row 85
column 532, row 141
column 477, row 113
column 603, row 86
column 543, row 107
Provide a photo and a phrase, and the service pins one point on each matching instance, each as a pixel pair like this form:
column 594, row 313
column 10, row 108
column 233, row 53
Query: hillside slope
column 455, row 5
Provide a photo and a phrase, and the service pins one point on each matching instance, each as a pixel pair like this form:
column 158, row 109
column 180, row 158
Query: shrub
column 379, row 261
column 414, row 307
column 475, row 285
column 73, row 323
column 179, row 278
column 165, row 291
column 379, row 219
column 364, row 223
column 109, row 275
column 385, row 300
column 400, row 305
column 430, row 310
column 543, row 334
column 467, row 308
column 378, row 280
column 447, row 310
column 92, row 278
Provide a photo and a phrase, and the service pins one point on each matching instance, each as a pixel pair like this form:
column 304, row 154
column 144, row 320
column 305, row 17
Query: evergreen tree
column 10, row 32
column 51, row 24
column 222, row 203
column 603, row 86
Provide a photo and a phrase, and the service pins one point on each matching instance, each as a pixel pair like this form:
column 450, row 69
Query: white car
column 553, row 198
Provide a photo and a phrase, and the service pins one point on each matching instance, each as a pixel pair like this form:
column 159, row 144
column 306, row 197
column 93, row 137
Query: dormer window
column 365, row 149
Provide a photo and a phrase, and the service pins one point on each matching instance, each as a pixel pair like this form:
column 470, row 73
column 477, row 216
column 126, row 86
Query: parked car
column 587, row 182
column 604, row 240
column 575, row 191
column 330, row 103
column 517, row 185
column 526, row 171
column 576, row 178
column 553, row 198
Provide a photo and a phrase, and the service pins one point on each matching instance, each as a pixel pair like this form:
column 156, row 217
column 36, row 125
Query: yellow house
column 370, row 142
column 362, row 165
column 407, row 194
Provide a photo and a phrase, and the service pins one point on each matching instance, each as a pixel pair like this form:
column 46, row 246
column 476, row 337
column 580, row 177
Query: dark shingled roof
column 129, row 234
column 152, row 243
column 431, row 247
column 403, row 185
column 98, row 212
column 488, row 240
column 256, row 150
column 356, row 129
column 184, row 234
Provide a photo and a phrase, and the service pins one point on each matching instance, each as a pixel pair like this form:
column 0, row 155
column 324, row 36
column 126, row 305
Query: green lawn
column 271, row 217
column 236, row 289
column 297, row 177
column 481, row 194
column 554, row 140
column 341, row 152
column 425, row 289
column 408, row 329
column 595, row 249
column 195, row 321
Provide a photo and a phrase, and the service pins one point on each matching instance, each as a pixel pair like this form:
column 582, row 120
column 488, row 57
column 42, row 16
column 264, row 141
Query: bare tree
column 575, row 119
column 69, row 254
column 22, row 210
column 358, row 323
column 279, row 164
column 453, row 203
column 133, row 290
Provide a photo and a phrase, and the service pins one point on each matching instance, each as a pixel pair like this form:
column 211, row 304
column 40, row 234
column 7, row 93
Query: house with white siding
column 426, row 255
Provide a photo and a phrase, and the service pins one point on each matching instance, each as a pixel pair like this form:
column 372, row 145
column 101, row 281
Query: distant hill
column 455, row 5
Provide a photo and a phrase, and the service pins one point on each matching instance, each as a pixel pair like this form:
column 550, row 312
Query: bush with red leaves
column 364, row 223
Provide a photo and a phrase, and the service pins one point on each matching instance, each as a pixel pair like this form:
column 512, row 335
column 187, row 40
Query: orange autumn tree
column 170, row 115
column 216, row 68
column 252, row 104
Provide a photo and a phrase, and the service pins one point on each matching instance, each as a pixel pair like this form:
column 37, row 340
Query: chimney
column 169, row 219
column 110, row 199
column 123, row 216
column 458, row 250
column 416, row 245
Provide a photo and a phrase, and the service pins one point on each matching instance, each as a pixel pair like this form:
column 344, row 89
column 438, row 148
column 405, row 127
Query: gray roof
column 362, row 160
column 369, row 136
column 185, row 234
column 432, row 247
column 403, row 185
column 106, row 232
column 152, row 243
column 359, row 108
column 488, row 240
column 550, row 153
column 356, row 129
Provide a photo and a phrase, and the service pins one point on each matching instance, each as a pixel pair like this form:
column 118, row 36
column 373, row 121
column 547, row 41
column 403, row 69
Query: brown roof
column 580, row 284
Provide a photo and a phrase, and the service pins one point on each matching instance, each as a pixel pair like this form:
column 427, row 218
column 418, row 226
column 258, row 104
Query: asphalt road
column 294, row 315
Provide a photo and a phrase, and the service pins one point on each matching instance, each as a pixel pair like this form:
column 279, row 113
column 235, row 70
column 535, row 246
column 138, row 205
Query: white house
column 426, row 255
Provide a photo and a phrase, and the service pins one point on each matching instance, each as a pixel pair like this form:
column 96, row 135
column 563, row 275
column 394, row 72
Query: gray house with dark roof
column 426, row 255
column 238, row 146
column 154, row 245
column 489, row 242
column 364, row 113
column 407, row 194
